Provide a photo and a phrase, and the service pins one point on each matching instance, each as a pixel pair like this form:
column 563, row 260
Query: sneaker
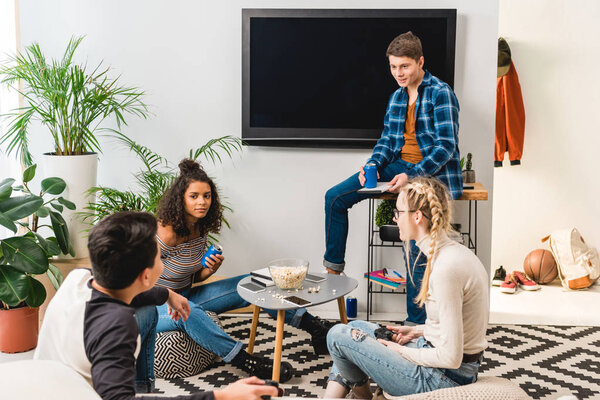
column 262, row 367
column 499, row 276
column 524, row 282
column 509, row 285
column 318, row 334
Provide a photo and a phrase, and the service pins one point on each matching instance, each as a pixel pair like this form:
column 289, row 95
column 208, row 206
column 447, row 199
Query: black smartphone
column 297, row 300
column 253, row 287
column 314, row 278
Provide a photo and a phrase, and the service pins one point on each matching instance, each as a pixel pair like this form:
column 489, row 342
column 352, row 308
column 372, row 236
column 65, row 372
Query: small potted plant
column 22, row 257
column 468, row 174
column 384, row 219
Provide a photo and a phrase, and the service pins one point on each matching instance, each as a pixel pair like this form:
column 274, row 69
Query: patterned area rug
column 546, row 361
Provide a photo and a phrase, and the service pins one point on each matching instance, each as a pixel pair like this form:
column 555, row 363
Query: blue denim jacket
column 436, row 130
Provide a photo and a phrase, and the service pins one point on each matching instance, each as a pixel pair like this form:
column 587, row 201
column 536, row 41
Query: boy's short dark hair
column 121, row 246
column 406, row 45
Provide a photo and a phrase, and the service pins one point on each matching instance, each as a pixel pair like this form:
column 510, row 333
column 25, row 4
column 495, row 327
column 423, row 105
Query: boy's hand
column 361, row 176
column 397, row 182
column 178, row 306
column 246, row 389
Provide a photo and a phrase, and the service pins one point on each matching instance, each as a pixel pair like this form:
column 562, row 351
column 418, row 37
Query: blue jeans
column 338, row 200
column 416, row 314
column 357, row 356
column 146, row 318
column 218, row 297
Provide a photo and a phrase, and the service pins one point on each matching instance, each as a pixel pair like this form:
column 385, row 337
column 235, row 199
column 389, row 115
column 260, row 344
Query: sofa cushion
column 486, row 387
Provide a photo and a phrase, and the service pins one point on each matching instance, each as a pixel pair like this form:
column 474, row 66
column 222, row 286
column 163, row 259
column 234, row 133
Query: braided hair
column 432, row 198
column 171, row 210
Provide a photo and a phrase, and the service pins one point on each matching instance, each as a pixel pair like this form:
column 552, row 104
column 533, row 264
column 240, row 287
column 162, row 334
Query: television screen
column 321, row 77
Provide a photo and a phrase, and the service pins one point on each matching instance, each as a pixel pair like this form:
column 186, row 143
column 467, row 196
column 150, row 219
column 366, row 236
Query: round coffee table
column 334, row 287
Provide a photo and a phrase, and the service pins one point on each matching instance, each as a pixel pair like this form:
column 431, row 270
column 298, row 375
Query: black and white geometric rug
column 546, row 361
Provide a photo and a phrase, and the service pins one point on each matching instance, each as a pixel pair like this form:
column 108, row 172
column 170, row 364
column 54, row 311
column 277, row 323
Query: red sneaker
column 509, row 285
column 524, row 282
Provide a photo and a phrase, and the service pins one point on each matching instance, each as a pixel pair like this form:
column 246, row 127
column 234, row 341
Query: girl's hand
column 212, row 265
column 214, row 262
column 404, row 334
column 391, row 345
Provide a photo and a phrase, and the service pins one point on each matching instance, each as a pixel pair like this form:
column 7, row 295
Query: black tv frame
column 318, row 137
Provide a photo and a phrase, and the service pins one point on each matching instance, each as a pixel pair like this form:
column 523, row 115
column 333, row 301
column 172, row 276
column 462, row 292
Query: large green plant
column 154, row 179
column 70, row 100
column 24, row 256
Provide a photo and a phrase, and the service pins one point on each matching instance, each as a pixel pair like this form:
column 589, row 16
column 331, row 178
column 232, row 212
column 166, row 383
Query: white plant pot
column 79, row 172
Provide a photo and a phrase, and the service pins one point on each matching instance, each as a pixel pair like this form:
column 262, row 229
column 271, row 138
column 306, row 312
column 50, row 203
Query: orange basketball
column 539, row 265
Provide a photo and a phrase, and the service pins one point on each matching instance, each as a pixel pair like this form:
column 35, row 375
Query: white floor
column 551, row 305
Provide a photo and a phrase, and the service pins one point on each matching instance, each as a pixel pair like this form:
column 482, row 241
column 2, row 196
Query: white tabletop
column 331, row 288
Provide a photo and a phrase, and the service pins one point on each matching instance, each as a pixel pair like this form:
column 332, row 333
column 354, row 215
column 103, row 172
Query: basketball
column 539, row 265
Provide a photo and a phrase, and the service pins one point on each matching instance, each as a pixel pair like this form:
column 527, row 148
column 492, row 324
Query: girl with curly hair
column 188, row 212
column 447, row 350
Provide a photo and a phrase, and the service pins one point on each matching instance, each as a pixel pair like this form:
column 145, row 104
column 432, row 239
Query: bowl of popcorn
column 288, row 273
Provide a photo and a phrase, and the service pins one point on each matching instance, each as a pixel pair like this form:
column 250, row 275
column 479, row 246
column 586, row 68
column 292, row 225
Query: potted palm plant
column 153, row 179
column 22, row 257
column 74, row 104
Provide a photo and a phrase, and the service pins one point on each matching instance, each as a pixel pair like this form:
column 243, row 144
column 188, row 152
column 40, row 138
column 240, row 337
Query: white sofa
column 43, row 379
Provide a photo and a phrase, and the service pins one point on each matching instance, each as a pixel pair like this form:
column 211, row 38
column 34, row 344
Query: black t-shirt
column 97, row 335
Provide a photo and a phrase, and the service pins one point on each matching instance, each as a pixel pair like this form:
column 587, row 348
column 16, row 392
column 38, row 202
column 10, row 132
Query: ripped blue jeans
column 357, row 356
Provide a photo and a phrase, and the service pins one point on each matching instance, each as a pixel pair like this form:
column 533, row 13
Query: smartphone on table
column 297, row 301
column 253, row 287
column 314, row 278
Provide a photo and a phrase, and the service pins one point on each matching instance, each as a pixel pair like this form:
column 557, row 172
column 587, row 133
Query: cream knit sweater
column 457, row 306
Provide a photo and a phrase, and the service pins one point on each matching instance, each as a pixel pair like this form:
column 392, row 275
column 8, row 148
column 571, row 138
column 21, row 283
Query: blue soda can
column 212, row 250
column 351, row 307
column 371, row 175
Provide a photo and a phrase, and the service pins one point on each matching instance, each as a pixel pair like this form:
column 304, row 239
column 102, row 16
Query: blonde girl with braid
column 447, row 350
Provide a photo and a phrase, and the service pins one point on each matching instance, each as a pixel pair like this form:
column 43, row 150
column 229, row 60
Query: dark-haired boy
column 90, row 323
column 420, row 137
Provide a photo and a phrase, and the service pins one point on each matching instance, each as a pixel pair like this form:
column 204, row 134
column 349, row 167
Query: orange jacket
column 510, row 118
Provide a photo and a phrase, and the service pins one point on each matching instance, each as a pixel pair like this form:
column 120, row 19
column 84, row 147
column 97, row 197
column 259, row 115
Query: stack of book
column 386, row 277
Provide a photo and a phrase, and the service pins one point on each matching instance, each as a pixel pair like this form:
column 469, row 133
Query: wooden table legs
column 255, row 313
column 342, row 308
column 278, row 344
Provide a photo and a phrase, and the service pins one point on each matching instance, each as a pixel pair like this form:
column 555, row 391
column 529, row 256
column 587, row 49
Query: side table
column 333, row 288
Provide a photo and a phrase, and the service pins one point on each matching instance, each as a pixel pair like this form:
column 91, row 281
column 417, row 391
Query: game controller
column 384, row 333
column 269, row 382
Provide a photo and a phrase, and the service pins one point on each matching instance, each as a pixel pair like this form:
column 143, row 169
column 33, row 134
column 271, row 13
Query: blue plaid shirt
column 436, row 129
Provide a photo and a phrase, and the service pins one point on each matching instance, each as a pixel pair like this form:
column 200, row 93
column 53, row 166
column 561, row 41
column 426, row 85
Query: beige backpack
column 578, row 264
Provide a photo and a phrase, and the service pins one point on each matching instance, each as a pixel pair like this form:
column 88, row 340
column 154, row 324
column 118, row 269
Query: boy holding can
column 420, row 137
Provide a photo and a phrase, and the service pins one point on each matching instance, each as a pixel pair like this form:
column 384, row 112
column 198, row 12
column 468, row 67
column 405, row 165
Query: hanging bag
column 578, row 264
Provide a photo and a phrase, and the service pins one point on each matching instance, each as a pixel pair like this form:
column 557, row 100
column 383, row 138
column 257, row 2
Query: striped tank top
column 181, row 262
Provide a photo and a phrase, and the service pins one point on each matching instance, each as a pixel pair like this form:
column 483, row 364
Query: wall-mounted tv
column 320, row 78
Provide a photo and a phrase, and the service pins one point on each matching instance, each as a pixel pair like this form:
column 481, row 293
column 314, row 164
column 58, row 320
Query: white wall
column 187, row 56
column 556, row 53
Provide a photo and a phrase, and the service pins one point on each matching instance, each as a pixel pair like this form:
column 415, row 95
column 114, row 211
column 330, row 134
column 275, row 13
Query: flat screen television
column 320, row 77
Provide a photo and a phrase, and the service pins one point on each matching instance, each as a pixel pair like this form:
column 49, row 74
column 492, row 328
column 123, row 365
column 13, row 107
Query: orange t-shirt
column 410, row 152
